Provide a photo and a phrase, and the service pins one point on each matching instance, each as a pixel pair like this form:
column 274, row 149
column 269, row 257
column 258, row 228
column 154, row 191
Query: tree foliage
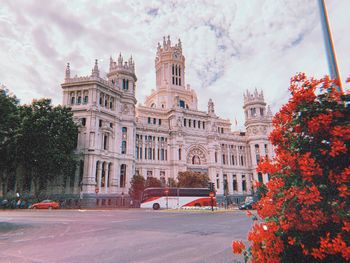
column 153, row 182
column 47, row 137
column 305, row 212
column 192, row 179
column 137, row 186
column 9, row 121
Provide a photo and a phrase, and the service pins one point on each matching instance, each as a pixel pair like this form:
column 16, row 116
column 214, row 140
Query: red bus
column 172, row 198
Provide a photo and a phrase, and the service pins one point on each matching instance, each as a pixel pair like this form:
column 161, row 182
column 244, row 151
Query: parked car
column 46, row 204
column 247, row 206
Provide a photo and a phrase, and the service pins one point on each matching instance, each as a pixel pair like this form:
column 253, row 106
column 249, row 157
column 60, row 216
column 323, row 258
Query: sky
column 230, row 46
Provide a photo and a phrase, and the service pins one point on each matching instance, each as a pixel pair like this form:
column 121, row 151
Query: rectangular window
column 194, row 123
column 234, row 182
column 86, row 99
column 216, row 157
column 149, row 120
column 199, row 124
column 182, row 104
column 160, row 122
column 244, row 184
column 105, row 142
column 223, row 159
column 154, row 120
column 189, row 123
column 150, row 153
column 203, row 125
column 83, row 122
column 185, row 122
column 100, row 123
column 179, row 154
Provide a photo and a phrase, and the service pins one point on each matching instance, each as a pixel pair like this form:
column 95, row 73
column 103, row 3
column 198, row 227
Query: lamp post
column 330, row 51
column 122, row 199
column 166, row 191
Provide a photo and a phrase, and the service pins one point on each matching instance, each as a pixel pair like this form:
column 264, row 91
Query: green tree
column 9, row 121
column 47, row 138
column 153, row 182
column 192, row 179
column 137, row 186
column 172, row 182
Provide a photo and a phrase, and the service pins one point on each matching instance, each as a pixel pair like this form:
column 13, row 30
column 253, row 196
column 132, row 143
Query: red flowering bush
column 305, row 212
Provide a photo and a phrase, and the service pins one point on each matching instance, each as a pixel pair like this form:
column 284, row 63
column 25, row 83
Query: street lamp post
column 167, row 194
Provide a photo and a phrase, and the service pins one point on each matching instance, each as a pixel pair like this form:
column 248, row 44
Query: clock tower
column 170, row 65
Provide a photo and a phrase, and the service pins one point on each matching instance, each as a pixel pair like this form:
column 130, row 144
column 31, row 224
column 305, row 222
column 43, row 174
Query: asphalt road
column 119, row 236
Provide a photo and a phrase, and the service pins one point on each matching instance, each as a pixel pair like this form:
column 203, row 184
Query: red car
column 46, row 204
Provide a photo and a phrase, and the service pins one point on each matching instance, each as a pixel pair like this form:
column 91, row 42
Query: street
column 132, row 235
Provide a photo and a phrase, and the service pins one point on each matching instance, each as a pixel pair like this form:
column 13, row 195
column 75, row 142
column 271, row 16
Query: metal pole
column 330, row 51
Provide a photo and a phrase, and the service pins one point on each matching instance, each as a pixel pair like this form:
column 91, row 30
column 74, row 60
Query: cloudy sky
column 230, row 46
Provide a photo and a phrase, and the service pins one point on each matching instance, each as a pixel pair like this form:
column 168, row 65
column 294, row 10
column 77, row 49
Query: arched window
column 96, row 173
column 253, row 112
column 196, row 159
column 122, row 175
column 103, row 174
column 257, row 153
column 109, row 174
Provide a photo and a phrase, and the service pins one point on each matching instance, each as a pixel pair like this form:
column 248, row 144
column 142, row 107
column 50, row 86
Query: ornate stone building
column 165, row 135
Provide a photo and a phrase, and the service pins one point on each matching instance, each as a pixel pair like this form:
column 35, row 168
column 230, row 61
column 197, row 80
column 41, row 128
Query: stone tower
column 122, row 74
column 258, row 120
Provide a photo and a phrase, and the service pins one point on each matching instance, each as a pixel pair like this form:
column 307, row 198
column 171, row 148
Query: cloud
column 230, row 46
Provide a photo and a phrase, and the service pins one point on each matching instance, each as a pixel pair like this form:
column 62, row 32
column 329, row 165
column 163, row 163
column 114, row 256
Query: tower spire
column 67, row 71
column 95, row 72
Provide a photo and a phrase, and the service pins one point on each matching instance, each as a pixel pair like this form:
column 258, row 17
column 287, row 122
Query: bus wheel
column 197, row 205
column 156, row 206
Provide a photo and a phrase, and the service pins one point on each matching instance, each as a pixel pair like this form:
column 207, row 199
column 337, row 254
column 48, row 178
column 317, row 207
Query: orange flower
column 238, row 247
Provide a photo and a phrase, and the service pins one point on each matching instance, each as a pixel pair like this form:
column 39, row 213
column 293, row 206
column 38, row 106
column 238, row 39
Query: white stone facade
column 165, row 135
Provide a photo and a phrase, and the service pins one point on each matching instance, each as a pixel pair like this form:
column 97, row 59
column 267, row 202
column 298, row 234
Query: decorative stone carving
column 196, row 156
